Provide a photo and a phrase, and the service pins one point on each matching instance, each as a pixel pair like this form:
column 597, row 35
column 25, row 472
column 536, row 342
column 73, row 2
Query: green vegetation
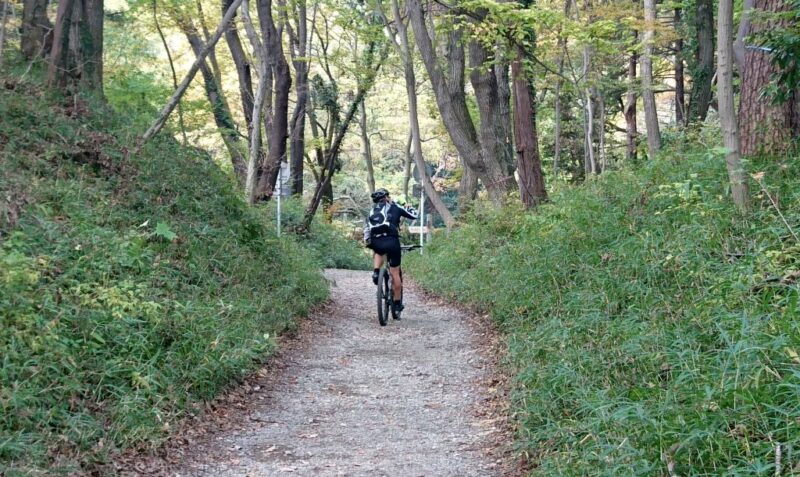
column 648, row 324
column 132, row 288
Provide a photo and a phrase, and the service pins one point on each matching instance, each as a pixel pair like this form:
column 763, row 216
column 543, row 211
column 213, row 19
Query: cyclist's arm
column 409, row 213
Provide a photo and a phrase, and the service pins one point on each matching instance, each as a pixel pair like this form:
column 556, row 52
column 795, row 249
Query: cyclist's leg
column 377, row 260
column 394, row 253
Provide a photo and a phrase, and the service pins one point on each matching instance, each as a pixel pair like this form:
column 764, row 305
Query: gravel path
column 364, row 400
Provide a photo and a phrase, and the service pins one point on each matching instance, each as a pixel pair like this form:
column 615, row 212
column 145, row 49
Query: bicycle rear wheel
column 383, row 297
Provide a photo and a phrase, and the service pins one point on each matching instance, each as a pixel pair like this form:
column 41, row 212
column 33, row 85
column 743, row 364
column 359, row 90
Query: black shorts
column 388, row 245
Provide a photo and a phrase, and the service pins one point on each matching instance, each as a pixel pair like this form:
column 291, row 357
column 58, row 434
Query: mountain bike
column 385, row 295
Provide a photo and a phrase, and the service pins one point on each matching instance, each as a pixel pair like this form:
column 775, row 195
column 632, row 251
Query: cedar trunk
column 76, row 58
column 648, row 96
column 701, row 94
column 36, row 39
column 529, row 166
column 765, row 128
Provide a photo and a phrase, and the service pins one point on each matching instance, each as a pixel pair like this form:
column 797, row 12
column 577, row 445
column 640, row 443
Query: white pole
column 421, row 219
column 280, row 193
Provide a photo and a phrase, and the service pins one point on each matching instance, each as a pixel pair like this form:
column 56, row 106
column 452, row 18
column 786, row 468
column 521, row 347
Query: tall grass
column 650, row 327
column 132, row 287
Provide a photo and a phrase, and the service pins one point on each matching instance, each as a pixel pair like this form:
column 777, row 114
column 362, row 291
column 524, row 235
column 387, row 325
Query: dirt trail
column 365, row 400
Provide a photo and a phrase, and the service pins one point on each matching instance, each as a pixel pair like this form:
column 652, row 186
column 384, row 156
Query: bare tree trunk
column 736, row 173
column 242, row 67
column 171, row 68
column 255, row 137
column 331, row 154
column 3, row 28
column 367, row 148
column 406, row 53
column 212, row 55
column 630, row 108
column 765, row 128
column 77, row 53
column 277, row 125
column 680, row 96
column 451, row 99
column 467, row 188
column 200, row 60
column 219, row 107
column 601, row 131
column 36, row 29
column 407, row 166
column 298, row 122
column 650, row 108
column 744, row 28
column 529, row 166
column 562, row 45
column 701, row 94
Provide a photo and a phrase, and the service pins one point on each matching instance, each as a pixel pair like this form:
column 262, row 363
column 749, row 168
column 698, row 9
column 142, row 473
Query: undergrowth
column 649, row 325
column 133, row 287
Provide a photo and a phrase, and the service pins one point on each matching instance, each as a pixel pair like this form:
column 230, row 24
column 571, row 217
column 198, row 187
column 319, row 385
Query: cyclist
column 382, row 235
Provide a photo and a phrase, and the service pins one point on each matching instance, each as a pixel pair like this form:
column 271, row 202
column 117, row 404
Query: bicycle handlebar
column 408, row 248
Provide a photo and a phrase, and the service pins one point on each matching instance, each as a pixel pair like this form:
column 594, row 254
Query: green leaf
column 163, row 230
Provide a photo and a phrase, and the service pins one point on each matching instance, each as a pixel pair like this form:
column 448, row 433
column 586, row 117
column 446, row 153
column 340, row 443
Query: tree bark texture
column 629, row 110
column 278, row 122
column 76, row 58
column 700, row 97
column 448, row 88
column 243, row 69
column 648, row 96
column 299, row 43
column 765, row 128
column 406, row 54
column 680, row 96
column 37, row 29
column 366, row 146
column 529, row 166
column 199, row 60
column 727, row 114
column 171, row 68
column 219, row 107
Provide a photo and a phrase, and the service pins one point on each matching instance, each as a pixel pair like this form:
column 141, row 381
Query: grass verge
column 650, row 327
column 132, row 287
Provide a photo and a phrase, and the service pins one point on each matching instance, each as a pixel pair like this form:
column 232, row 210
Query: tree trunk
column 601, row 132
column 700, row 98
column 298, row 122
column 255, row 136
column 332, row 152
column 76, row 58
column 529, row 166
column 212, row 55
column 467, row 188
column 765, row 128
column 277, row 125
column 171, row 68
column 630, row 108
column 744, row 28
column 451, row 99
column 367, row 148
column 416, row 136
column 727, row 114
column 219, row 107
column 562, row 51
column 680, row 96
column 407, row 166
column 199, row 60
column 36, row 37
column 242, row 67
column 650, row 108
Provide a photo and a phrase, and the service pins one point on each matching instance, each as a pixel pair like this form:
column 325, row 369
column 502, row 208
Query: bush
column 132, row 287
column 647, row 322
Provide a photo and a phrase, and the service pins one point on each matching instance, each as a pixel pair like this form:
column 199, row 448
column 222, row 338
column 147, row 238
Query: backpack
column 378, row 221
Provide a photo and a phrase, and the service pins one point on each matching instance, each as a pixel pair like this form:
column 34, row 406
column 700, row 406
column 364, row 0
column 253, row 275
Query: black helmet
column 379, row 195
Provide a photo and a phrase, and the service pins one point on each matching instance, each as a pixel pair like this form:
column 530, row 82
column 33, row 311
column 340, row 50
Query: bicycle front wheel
column 383, row 297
